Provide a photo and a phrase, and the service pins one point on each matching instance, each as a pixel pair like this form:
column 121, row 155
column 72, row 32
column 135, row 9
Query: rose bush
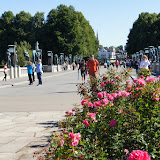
column 116, row 115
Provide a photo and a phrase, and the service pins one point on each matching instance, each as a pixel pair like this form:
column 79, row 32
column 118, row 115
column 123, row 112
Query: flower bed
column 117, row 119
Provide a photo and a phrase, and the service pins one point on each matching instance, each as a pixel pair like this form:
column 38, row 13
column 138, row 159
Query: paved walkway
column 29, row 114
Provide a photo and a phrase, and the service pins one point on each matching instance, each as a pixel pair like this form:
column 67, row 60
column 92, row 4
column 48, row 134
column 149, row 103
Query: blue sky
column 111, row 18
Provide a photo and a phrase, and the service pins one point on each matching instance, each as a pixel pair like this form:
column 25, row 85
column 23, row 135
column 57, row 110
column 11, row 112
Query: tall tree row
column 145, row 32
column 64, row 31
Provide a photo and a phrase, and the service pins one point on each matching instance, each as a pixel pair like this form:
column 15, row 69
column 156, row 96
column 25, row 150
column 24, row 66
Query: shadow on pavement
column 64, row 92
column 67, row 83
column 49, row 124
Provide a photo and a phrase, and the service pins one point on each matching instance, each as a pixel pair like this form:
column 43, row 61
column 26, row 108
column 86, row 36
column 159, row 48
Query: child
column 5, row 72
column 30, row 72
column 83, row 69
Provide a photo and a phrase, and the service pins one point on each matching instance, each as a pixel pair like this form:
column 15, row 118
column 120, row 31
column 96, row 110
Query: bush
column 117, row 117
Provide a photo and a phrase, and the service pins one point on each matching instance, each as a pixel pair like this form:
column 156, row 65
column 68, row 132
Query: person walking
column 124, row 64
column 73, row 65
column 39, row 72
column 30, row 72
column 93, row 67
column 34, row 69
column 83, row 69
column 108, row 64
column 5, row 72
column 145, row 62
column 117, row 64
column 136, row 65
column 127, row 64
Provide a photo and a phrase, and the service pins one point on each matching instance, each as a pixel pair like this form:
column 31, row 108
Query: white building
column 103, row 55
column 107, row 54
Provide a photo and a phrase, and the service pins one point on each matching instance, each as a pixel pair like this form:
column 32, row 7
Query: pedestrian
column 127, row 64
column 117, row 64
column 5, row 72
column 83, row 69
column 105, row 65
column 30, row 72
column 124, row 64
column 64, row 66
column 93, row 67
column 34, row 69
column 39, row 71
column 108, row 64
column 136, row 65
column 145, row 62
column 73, row 65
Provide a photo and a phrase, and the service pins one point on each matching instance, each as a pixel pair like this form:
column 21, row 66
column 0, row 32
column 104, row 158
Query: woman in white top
column 145, row 62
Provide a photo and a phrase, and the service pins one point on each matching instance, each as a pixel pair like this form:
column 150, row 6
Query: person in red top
column 93, row 67
column 5, row 72
column 117, row 64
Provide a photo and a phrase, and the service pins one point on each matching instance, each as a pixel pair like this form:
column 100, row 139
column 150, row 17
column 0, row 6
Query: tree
column 6, row 33
column 23, row 45
column 23, row 27
column 143, row 33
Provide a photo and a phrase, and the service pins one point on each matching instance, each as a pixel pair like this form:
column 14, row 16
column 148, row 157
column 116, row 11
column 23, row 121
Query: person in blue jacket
column 30, row 72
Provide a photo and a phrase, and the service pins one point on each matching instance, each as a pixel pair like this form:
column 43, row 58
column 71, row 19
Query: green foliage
column 20, row 48
column 145, row 32
column 144, row 72
column 65, row 30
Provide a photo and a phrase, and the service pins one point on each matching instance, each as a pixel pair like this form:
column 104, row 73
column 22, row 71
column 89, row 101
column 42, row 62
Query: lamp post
column 61, row 58
column 55, row 59
column 50, row 57
column 70, row 59
column 12, row 51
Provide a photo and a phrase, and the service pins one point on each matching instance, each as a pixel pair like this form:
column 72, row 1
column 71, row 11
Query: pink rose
column 139, row 155
column 69, row 113
column 90, row 104
column 114, row 95
column 159, row 77
column 77, row 136
column 104, row 93
column 102, row 84
column 92, row 116
column 118, row 77
column 113, row 123
column 104, row 101
column 120, row 111
column 84, row 102
column 97, row 103
column 74, row 143
column 128, row 81
column 73, row 110
column 140, row 81
column 61, row 143
column 143, row 77
column 150, row 79
column 85, row 122
column 71, row 135
column 110, row 97
column 100, row 95
column 105, row 77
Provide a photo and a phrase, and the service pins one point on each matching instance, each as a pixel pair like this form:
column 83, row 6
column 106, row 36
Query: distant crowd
column 137, row 64
column 92, row 67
